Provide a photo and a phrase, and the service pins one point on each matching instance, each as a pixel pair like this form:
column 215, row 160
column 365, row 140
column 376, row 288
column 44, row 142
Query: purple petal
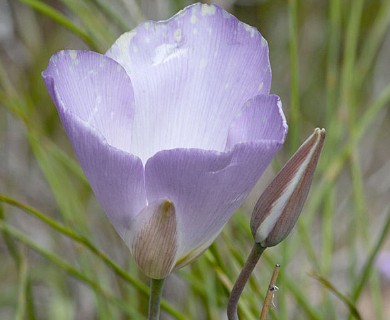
column 97, row 90
column 191, row 76
column 208, row 186
column 93, row 95
column 262, row 118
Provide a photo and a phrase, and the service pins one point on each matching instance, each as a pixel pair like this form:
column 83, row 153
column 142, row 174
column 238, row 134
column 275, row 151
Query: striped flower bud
column 278, row 208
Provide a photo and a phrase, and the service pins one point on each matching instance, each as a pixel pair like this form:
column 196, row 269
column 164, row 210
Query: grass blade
column 371, row 259
column 353, row 310
column 61, row 19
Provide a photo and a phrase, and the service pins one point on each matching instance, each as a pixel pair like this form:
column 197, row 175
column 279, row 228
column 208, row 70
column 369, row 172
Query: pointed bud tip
column 167, row 207
column 320, row 132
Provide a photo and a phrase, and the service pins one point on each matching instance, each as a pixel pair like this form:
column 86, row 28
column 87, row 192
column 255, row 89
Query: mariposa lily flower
column 173, row 126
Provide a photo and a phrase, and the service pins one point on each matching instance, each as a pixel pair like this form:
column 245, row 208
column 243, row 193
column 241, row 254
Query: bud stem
column 156, row 288
column 242, row 279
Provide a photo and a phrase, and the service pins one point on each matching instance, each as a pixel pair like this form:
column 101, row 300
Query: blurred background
column 61, row 259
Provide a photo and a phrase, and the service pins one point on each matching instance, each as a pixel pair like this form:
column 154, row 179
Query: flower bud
column 280, row 205
column 154, row 243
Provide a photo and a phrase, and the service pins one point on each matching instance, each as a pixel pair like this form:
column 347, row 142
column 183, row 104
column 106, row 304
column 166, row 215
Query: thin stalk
column 9, row 242
column 332, row 67
column 333, row 75
column 361, row 224
column 348, row 102
column 242, row 279
column 327, row 231
column 23, row 280
column 270, row 293
column 156, row 289
column 293, row 52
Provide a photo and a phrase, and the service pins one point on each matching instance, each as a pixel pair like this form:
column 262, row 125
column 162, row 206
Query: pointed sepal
column 154, row 241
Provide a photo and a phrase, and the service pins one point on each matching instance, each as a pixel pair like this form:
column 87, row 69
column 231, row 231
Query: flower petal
column 97, row 90
column 116, row 177
column 206, row 186
column 262, row 118
column 191, row 76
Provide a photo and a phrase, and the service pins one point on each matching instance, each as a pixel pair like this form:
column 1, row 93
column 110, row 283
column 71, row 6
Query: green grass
column 61, row 256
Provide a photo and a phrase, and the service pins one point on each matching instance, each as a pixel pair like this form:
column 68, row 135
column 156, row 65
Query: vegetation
column 61, row 259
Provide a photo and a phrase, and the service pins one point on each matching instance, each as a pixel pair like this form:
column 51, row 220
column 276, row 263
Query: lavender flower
column 172, row 126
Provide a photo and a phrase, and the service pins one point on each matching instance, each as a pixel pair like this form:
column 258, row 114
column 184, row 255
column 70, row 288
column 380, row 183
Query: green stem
column 294, row 78
column 242, row 279
column 156, row 289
